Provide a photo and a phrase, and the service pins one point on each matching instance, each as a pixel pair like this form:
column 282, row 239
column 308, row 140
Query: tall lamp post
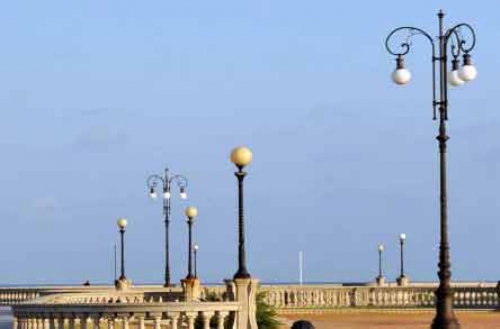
column 403, row 279
column 195, row 250
column 191, row 213
column 166, row 182
column 241, row 157
column 122, row 224
column 450, row 39
column 380, row 277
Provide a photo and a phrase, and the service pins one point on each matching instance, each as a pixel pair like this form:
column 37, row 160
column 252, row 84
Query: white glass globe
column 122, row 223
column 402, row 236
column 401, row 76
column 380, row 247
column 467, row 72
column 183, row 195
column 153, row 195
column 166, row 195
column 454, row 79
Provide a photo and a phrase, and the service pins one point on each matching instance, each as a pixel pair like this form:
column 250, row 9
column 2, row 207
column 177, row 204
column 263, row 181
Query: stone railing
column 286, row 298
column 126, row 306
column 15, row 295
column 45, row 313
column 293, row 298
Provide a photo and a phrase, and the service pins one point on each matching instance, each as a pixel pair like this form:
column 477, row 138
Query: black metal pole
column 242, row 272
column 166, row 211
column 445, row 317
column 122, row 235
column 379, row 263
column 402, row 243
column 190, row 250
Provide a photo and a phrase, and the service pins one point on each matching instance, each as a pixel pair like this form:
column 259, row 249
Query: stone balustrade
column 293, row 298
column 114, row 309
column 285, row 298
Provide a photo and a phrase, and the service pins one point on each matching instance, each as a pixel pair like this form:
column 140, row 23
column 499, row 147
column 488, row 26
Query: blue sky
column 95, row 96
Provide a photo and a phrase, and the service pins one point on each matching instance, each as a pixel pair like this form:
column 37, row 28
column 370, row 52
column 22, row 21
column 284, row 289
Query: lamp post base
column 403, row 280
column 191, row 289
column 123, row 284
column 445, row 322
column 445, row 317
column 380, row 281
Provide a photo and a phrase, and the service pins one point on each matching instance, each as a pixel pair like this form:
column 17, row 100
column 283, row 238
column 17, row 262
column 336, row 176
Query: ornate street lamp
column 451, row 39
column 191, row 213
column 195, row 250
column 241, row 157
column 403, row 279
column 122, row 224
column 380, row 277
column 166, row 182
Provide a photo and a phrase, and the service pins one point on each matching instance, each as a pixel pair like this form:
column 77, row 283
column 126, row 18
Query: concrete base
column 380, row 281
column 403, row 280
column 244, row 291
column 123, row 284
column 191, row 288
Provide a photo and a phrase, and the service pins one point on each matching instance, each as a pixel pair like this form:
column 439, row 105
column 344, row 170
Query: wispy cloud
column 99, row 138
column 46, row 205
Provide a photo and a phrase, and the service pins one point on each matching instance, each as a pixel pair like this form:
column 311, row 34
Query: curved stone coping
column 22, row 309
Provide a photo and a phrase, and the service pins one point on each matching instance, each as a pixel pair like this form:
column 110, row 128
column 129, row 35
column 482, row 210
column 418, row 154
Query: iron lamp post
column 122, row 224
column 241, row 157
column 166, row 182
column 451, row 40
column 380, row 271
column 402, row 239
column 191, row 213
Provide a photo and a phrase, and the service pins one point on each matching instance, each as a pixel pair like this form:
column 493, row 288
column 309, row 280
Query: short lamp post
column 403, row 279
column 166, row 182
column 195, row 251
column 241, row 157
column 380, row 277
column 191, row 213
column 460, row 39
column 122, row 224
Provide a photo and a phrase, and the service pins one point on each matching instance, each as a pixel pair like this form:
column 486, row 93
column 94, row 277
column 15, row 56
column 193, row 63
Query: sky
column 97, row 95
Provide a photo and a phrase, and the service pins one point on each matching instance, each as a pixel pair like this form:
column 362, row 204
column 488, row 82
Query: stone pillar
column 14, row 322
column 125, row 321
column 96, row 321
column 245, row 294
column 140, row 317
column 191, row 289
column 39, row 322
column 73, row 321
column 85, row 322
column 46, row 321
column 53, row 322
column 111, row 322
column 191, row 316
column 174, row 319
column 157, row 320
column 221, row 317
column 206, row 316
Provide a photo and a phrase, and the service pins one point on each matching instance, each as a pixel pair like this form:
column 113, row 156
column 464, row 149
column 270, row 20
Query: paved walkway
column 488, row 320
